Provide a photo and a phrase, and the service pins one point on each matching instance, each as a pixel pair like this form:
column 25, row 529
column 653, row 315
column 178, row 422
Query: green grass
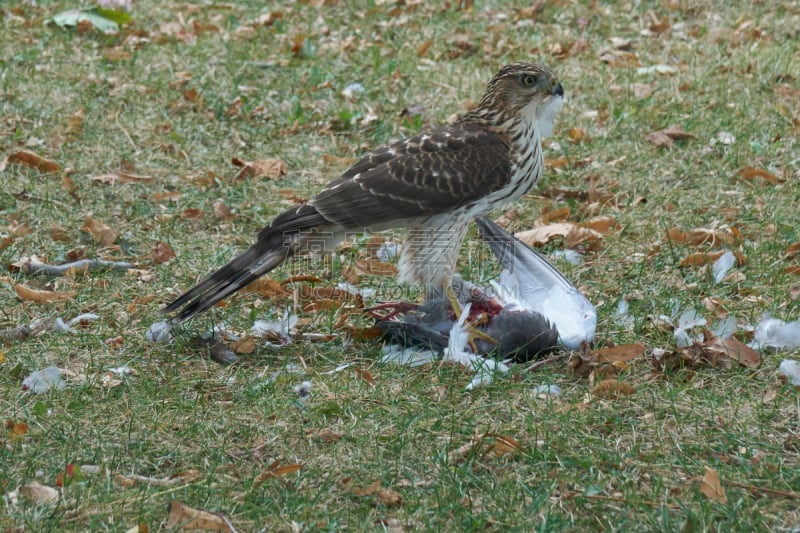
column 631, row 463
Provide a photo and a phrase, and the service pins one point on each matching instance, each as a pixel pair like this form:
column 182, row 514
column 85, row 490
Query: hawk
column 433, row 183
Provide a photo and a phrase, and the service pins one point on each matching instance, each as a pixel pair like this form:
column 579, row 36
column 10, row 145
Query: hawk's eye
column 528, row 80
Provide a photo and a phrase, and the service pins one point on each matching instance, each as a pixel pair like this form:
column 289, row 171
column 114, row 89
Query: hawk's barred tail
column 266, row 254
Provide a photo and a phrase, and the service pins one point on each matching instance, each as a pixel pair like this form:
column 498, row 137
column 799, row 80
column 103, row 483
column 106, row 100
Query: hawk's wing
column 429, row 174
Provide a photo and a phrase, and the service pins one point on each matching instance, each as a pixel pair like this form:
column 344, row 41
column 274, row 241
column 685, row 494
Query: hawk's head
column 527, row 91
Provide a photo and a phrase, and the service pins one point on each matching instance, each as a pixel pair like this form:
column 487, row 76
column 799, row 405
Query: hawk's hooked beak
column 557, row 88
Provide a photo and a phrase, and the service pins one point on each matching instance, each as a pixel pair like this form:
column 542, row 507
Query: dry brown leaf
column 557, row 162
column 368, row 490
column 68, row 186
column 793, row 250
column 751, row 173
column 41, row 297
column 292, row 196
column 458, row 455
column 30, row 159
column 268, row 288
column 611, row 388
column 579, row 235
column 221, row 211
column 576, row 134
column 373, row 267
column 162, row 252
column 602, row 224
column 541, row 235
column 324, row 434
column 121, row 177
column 243, row 346
column 711, row 487
column 698, row 236
column 388, row 497
column 704, row 258
column 677, row 133
column 17, row 428
column 191, row 213
column 365, row 375
column 184, row 517
column 104, row 235
column 166, row 195
column 75, row 124
column 276, row 470
column 555, row 215
column 39, row 494
column 660, row 139
column 735, row 349
column 260, row 168
column 503, row 445
column 622, row 353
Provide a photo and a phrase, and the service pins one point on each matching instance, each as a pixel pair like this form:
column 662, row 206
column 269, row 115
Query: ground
column 140, row 128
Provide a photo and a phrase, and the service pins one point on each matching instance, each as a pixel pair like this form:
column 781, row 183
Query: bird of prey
column 530, row 310
column 433, row 183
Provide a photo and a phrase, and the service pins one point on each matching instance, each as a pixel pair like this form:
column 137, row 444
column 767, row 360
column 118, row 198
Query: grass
column 185, row 89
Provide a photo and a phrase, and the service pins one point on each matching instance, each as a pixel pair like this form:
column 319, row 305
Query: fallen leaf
column 555, row 215
column 75, row 124
column 622, row 353
column 611, row 388
column 17, row 428
column 184, row 517
column 162, row 253
column 192, row 213
column 268, row 288
column 243, row 346
column 375, row 268
column 677, row 133
column 659, row 139
column 369, row 490
column 275, row 470
column 557, row 162
column 221, row 211
column 503, row 445
column 711, row 487
column 388, row 497
column 103, row 234
column 121, row 177
column 324, row 434
column 602, row 224
column 41, row 297
column 30, row 159
column 365, row 375
column 750, row 173
column 576, row 134
column 734, row 349
column 260, row 168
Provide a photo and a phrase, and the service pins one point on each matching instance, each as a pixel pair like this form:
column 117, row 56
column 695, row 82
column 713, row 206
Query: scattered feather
column 774, row 334
column 275, row 330
column 159, row 332
column 349, row 288
column 43, row 380
column 723, row 265
column 687, row 320
column 622, row 316
column 388, row 251
column 408, row 356
column 547, row 390
column 790, row 369
column 573, row 257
